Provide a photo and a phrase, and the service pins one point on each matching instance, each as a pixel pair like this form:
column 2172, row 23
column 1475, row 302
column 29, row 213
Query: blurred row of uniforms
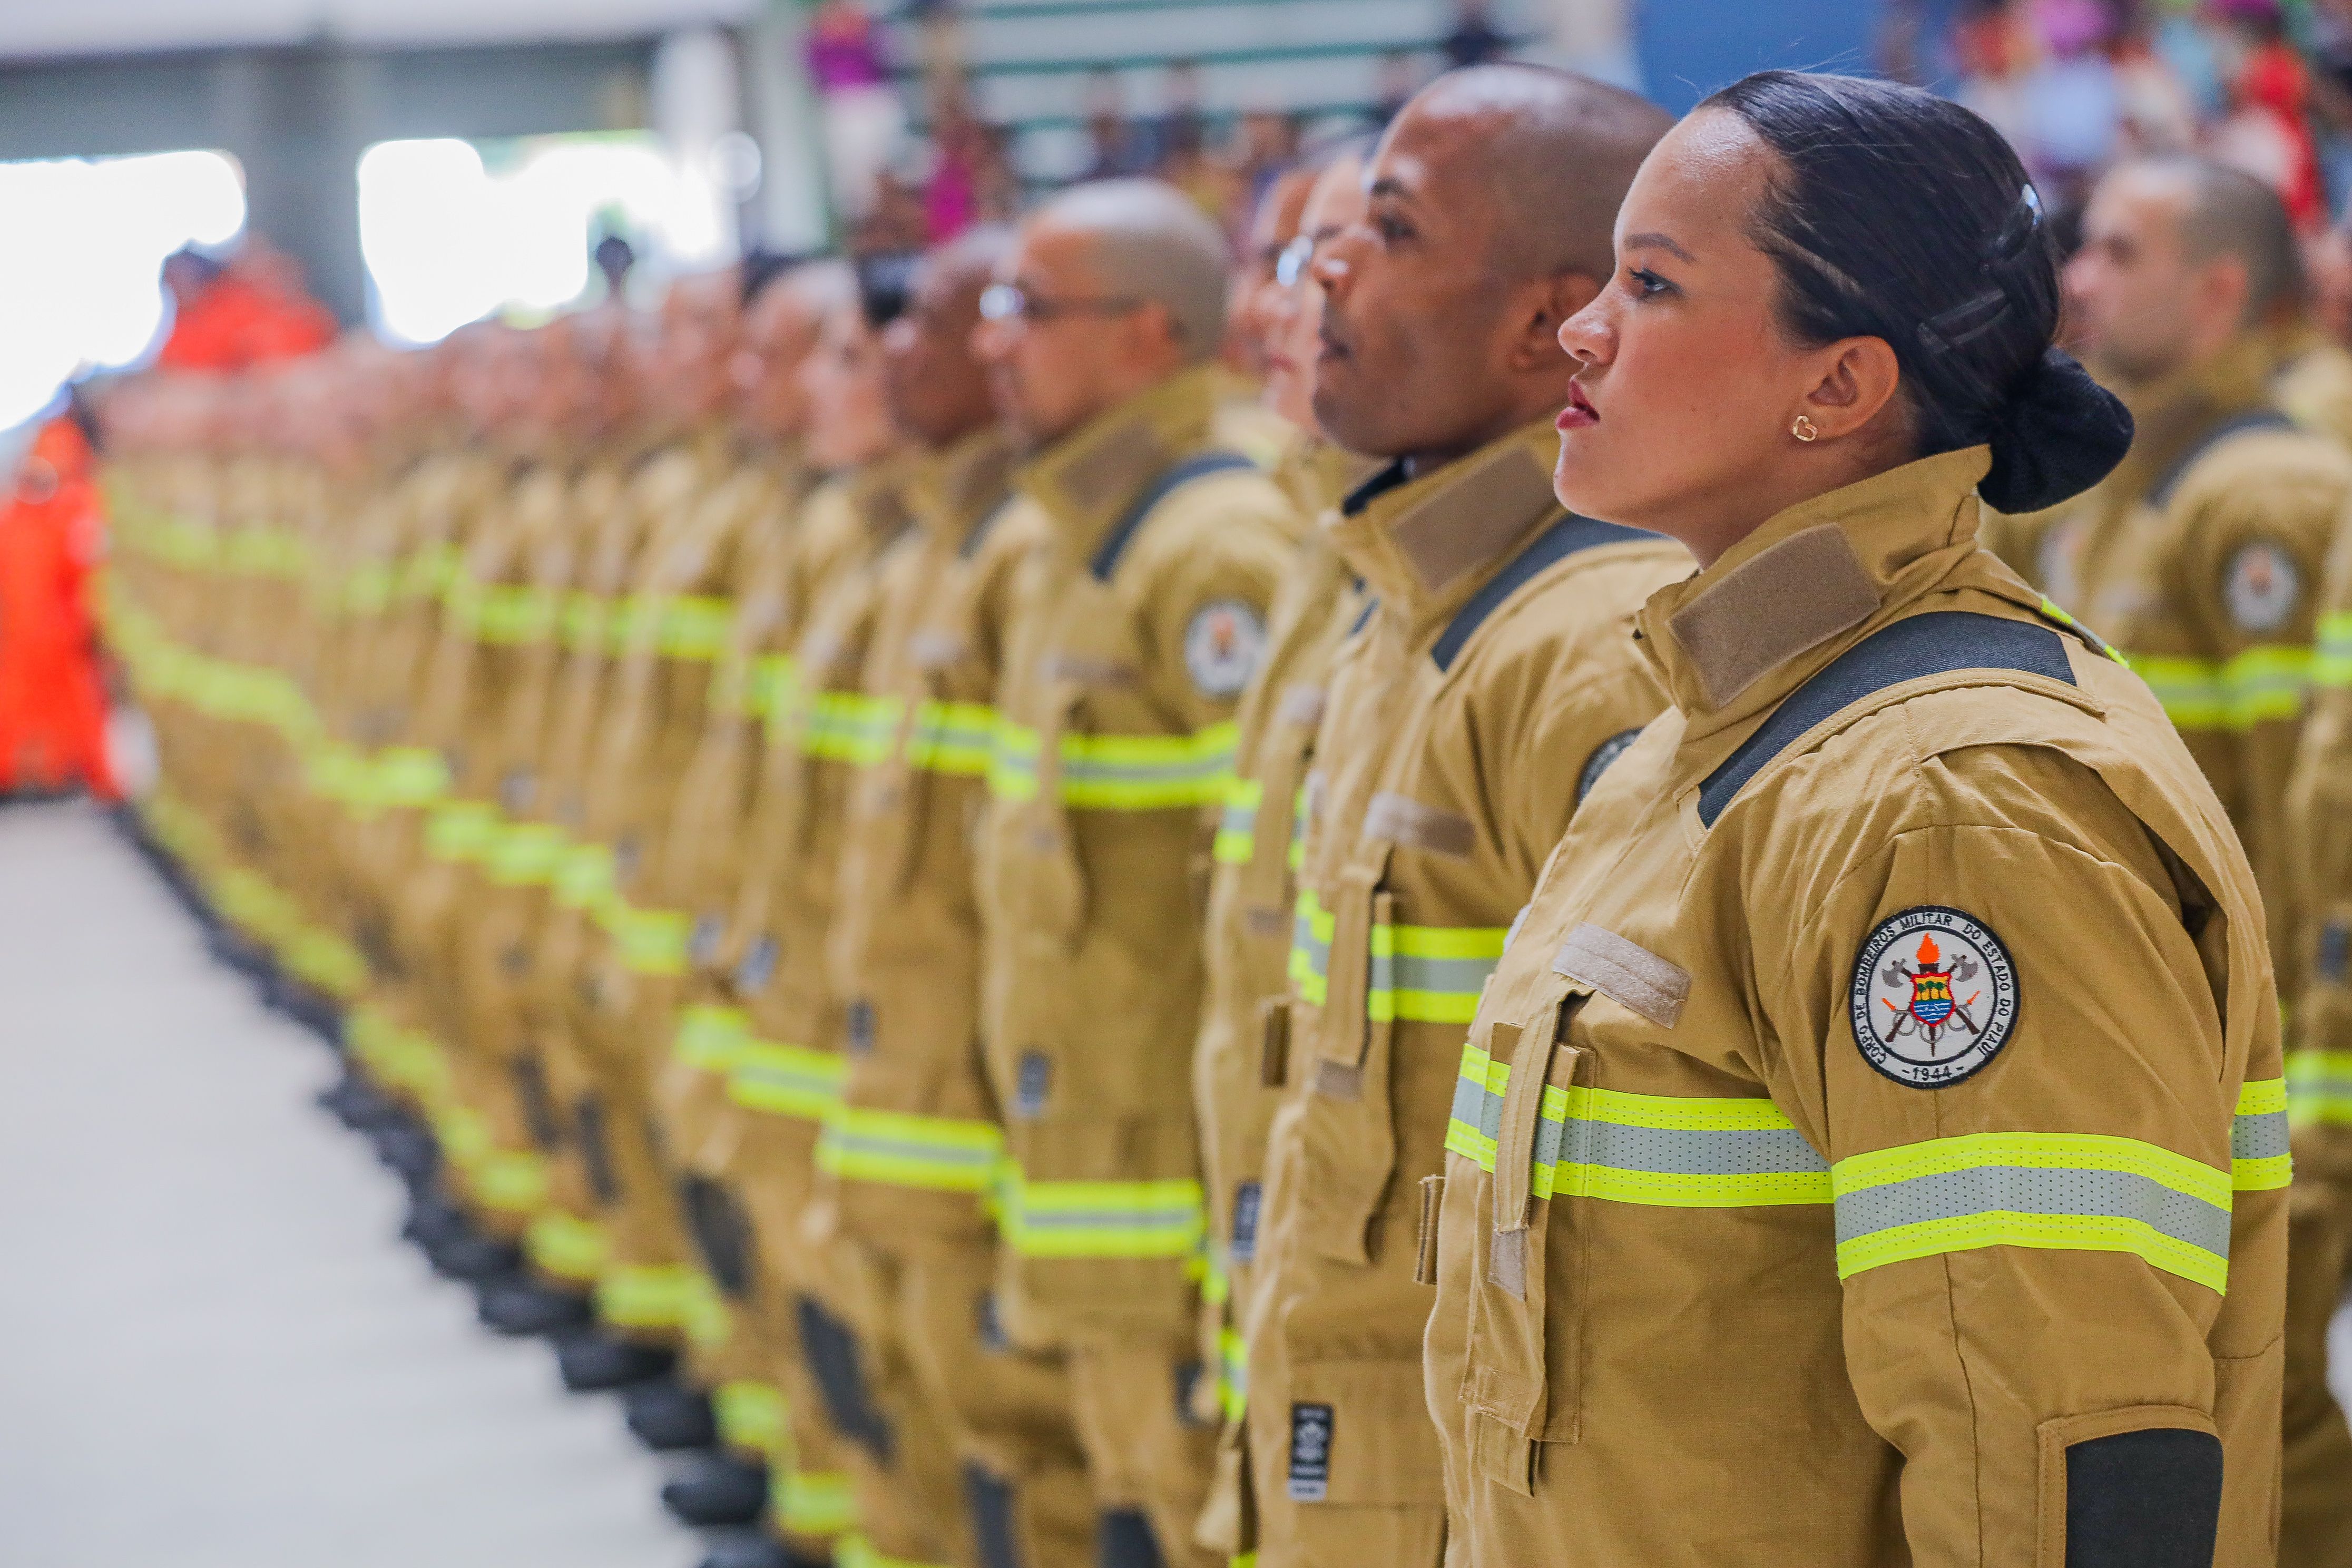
column 960, row 951
column 2217, row 559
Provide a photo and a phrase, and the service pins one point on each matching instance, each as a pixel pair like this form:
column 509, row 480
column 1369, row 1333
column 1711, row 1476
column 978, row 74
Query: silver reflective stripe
column 1669, row 1151
column 2262, row 1137
column 2034, row 1190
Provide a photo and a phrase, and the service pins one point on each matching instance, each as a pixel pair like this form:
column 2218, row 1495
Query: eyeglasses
column 1290, row 266
column 1011, row 302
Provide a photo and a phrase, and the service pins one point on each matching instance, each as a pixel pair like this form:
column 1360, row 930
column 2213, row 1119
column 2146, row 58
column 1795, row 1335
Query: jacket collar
column 1425, row 545
column 2170, row 414
column 949, row 492
column 1086, row 481
column 1730, row 642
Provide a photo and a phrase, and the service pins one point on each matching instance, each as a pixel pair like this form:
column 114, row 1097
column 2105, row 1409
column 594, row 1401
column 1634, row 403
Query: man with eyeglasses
column 1132, row 631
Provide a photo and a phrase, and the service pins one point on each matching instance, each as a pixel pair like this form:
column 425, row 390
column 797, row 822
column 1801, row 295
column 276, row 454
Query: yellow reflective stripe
column 696, row 625
column 1236, row 843
column 428, row 572
column 751, row 1416
column 327, row 961
column 567, row 1246
column 525, row 853
column 710, row 1037
column 1430, row 974
column 652, row 941
column 2331, row 665
column 265, row 553
column 1118, row 773
column 704, row 1315
column 461, row 830
column 582, row 621
column 584, row 876
column 1100, row 1219
column 410, row 776
column 513, row 1181
column 508, row 614
column 643, row 1295
column 786, row 1080
column 1310, row 948
column 1665, row 1150
column 627, row 619
column 894, row 1148
column 2260, row 1161
column 850, row 727
column 769, row 687
column 2069, row 1190
column 2050, row 610
column 2263, row 683
column 1233, row 1368
column 813, row 1502
column 2319, row 1087
column 367, row 589
column 857, row 1551
column 952, row 738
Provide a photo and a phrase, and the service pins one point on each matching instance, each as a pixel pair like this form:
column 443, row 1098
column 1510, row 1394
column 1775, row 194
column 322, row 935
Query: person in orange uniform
column 52, row 543
column 1469, row 711
column 1133, row 631
column 1871, row 1147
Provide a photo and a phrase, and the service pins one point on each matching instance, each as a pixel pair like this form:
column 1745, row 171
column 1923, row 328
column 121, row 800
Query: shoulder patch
column 1934, row 996
column 2261, row 586
column 1223, row 643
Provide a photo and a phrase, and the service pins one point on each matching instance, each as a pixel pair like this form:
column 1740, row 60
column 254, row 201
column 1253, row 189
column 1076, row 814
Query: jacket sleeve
column 2319, row 834
column 1995, row 1026
column 2248, row 580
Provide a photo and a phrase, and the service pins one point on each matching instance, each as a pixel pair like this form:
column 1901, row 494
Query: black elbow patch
column 2150, row 1499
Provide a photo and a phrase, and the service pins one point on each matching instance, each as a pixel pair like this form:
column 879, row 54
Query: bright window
column 83, row 286
column 454, row 231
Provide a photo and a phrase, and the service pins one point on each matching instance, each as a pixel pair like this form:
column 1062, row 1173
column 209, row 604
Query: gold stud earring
column 1805, row 430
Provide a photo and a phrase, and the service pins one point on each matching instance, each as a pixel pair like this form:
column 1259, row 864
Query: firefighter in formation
column 1049, row 958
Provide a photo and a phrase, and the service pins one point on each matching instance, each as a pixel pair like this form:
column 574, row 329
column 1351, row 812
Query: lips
column 1580, row 414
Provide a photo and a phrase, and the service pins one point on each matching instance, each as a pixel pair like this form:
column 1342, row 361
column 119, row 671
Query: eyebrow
column 1387, row 185
column 1657, row 242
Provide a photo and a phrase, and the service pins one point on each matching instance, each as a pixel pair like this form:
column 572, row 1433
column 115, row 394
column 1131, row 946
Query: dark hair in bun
column 1901, row 215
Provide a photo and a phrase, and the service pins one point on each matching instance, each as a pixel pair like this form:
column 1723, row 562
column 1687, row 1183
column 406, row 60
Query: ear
column 1548, row 302
column 2223, row 289
column 1854, row 380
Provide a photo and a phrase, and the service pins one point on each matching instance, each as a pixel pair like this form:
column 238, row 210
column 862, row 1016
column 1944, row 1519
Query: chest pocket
column 1522, row 1371
column 1347, row 1132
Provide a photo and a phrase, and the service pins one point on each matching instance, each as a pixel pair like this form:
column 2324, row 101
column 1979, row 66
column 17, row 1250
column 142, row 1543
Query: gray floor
column 213, row 1354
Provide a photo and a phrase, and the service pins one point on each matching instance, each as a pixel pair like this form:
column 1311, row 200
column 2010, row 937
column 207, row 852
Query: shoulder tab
column 1561, row 540
column 1938, row 643
column 2253, row 419
column 1199, row 466
column 971, row 541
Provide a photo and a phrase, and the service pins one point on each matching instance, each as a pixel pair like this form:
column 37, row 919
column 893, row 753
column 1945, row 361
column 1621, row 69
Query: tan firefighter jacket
column 2200, row 560
column 1132, row 633
column 1871, row 1146
column 1492, row 686
column 787, row 1063
column 1246, row 948
column 913, row 1142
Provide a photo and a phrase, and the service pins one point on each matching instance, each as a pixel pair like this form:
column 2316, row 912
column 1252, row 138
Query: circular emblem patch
column 1608, row 751
column 2262, row 587
column 1222, row 642
column 1934, row 996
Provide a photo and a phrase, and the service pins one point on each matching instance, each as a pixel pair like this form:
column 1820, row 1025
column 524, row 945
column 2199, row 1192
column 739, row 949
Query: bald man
column 2199, row 558
column 1130, row 634
column 1492, row 679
